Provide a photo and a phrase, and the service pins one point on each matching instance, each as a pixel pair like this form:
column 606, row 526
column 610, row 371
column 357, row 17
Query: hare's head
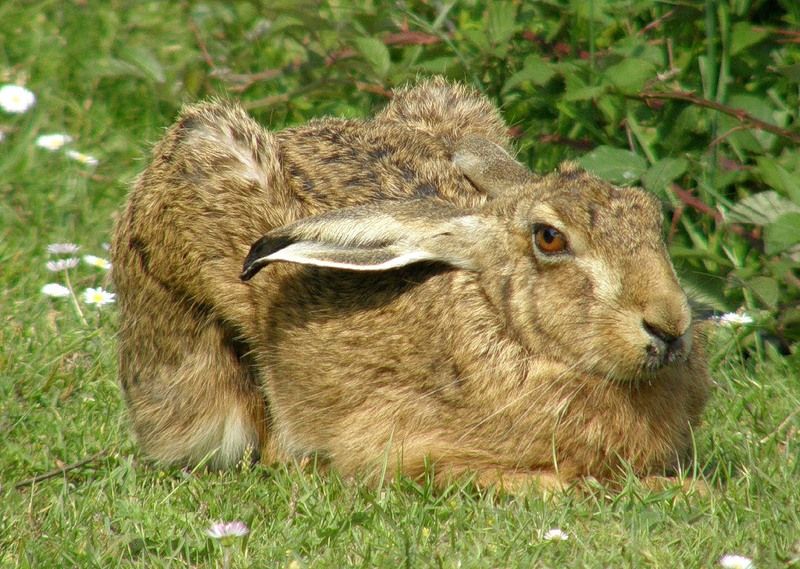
column 576, row 268
column 588, row 275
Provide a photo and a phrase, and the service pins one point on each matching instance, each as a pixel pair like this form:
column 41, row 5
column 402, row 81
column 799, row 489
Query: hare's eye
column 549, row 240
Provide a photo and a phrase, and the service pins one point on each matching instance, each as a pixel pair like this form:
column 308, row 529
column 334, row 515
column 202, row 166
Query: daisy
column 98, row 296
column 98, row 262
column 227, row 533
column 53, row 141
column 734, row 319
column 62, row 264
column 736, row 562
column 55, row 289
column 222, row 530
column 555, row 534
column 16, row 99
column 62, row 248
column 82, row 158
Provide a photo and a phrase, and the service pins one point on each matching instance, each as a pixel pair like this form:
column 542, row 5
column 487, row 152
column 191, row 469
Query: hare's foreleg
column 449, row 462
column 505, row 479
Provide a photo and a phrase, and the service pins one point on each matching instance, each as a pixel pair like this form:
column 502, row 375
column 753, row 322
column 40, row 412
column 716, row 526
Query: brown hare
column 410, row 295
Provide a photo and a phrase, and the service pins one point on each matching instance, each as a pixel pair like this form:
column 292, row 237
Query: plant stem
column 74, row 298
column 739, row 114
column 59, row 471
column 711, row 81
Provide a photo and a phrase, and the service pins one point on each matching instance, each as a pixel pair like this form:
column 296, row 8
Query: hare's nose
column 671, row 341
column 666, row 317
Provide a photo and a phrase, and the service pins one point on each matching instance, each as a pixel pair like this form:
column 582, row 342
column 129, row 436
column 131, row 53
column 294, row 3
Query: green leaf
column 766, row 289
column 437, row 65
column 630, row 75
column 536, row 70
column 478, row 38
column 753, row 140
column 576, row 88
column 680, row 252
column 783, row 233
column 585, row 93
column 376, row 54
column 744, row 35
column 144, row 59
column 705, row 289
column 775, row 176
column 761, row 209
column 791, row 72
column 615, row 165
column 662, row 173
column 502, row 22
column 286, row 22
column 113, row 67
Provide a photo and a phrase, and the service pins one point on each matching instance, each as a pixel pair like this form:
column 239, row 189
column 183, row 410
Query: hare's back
column 332, row 163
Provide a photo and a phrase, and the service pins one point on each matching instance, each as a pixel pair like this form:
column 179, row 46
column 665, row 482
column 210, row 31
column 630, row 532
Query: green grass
column 112, row 75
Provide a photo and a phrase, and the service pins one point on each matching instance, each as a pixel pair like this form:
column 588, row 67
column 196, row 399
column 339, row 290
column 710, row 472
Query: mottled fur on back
column 402, row 299
column 216, row 183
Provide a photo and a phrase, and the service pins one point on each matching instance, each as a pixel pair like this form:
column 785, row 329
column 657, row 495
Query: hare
column 410, row 295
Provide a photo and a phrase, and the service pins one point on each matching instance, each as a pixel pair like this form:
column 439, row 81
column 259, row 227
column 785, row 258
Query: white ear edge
column 310, row 253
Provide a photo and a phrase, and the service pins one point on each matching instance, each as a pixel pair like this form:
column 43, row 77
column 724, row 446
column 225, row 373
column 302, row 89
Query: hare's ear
column 489, row 166
column 376, row 237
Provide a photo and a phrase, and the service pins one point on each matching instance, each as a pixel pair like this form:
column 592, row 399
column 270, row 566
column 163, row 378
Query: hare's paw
column 687, row 485
column 507, row 481
column 515, row 482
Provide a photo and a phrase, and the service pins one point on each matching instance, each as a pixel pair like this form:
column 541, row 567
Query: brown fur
column 488, row 357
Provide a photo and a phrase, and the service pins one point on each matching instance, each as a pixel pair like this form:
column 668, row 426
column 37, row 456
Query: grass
column 112, row 75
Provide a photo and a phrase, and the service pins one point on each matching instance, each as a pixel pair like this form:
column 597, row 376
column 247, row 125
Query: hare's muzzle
column 665, row 348
column 667, row 323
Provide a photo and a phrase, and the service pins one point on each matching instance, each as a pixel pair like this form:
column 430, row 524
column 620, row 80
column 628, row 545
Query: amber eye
column 549, row 240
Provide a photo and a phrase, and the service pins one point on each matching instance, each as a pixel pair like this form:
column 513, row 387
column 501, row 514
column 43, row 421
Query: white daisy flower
column 55, row 289
column 62, row 264
column 62, row 248
column 82, row 158
column 734, row 319
column 16, row 99
column 736, row 562
column 221, row 530
column 98, row 296
column 98, row 262
column 53, row 141
column 555, row 534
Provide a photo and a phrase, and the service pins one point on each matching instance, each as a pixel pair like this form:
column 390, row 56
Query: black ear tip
column 260, row 250
column 251, row 269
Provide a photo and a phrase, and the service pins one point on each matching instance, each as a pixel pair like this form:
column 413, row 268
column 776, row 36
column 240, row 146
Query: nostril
column 668, row 338
column 665, row 347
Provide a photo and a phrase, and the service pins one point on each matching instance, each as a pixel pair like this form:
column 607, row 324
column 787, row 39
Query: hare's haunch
column 399, row 289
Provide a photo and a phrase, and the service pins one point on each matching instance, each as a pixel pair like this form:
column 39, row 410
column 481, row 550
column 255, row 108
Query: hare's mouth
column 664, row 350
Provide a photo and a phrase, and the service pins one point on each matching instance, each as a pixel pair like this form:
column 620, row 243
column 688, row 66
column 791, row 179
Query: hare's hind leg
column 212, row 188
column 191, row 394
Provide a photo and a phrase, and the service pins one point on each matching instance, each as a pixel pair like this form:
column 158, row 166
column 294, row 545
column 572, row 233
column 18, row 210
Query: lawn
column 74, row 489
